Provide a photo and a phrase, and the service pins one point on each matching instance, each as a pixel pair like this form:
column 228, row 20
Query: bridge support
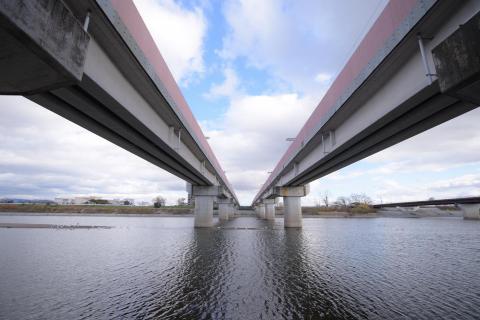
column 261, row 211
column 203, row 211
column 292, row 216
column 269, row 209
column 471, row 211
column 231, row 211
column 224, row 209
column 292, row 201
column 204, row 197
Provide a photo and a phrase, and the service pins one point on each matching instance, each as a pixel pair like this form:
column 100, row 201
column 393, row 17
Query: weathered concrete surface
column 269, row 209
column 43, row 46
column 203, row 211
column 298, row 191
column 223, row 211
column 457, row 61
column 216, row 191
column 292, row 216
column 231, row 211
column 261, row 211
column 471, row 211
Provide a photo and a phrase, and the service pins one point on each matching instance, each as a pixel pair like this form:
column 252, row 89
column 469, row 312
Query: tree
column 159, row 201
column 343, row 202
column 325, row 198
column 98, row 201
column 361, row 198
column 181, row 202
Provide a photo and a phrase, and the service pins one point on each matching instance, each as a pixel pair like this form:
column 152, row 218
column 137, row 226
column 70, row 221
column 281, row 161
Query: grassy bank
column 42, row 208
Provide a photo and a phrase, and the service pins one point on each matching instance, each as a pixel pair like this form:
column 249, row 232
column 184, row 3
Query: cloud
column 250, row 137
column 442, row 162
column 296, row 40
column 179, row 34
column 228, row 88
column 44, row 156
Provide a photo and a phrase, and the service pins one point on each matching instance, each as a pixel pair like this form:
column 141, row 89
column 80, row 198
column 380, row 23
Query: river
column 163, row 268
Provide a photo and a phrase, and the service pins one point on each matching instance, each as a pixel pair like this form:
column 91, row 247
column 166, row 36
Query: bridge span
column 417, row 67
column 470, row 206
column 94, row 63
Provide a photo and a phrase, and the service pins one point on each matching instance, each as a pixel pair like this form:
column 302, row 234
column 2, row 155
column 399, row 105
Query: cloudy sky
column 252, row 72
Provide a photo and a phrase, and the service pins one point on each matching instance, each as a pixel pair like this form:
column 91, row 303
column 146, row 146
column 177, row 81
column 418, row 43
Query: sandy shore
column 47, row 226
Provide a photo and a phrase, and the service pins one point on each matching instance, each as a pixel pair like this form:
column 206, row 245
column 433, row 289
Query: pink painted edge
column 131, row 18
column 391, row 17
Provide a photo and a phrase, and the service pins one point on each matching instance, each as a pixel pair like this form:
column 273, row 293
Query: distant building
column 63, row 201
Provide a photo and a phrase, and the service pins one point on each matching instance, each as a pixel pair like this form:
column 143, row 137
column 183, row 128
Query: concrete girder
column 390, row 99
column 43, row 46
column 120, row 91
column 457, row 62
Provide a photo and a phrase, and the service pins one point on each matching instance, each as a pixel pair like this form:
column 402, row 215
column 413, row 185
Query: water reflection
column 244, row 269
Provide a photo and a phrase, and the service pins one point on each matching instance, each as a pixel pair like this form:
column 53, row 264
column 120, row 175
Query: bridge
column 470, row 206
column 417, row 67
column 94, row 63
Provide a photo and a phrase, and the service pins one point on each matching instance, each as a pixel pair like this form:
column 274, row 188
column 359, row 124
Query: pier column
column 203, row 211
column 261, row 211
column 269, row 209
column 223, row 210
column 471, row 211
column 231, row 211
column 204, row 197
column 292, row 201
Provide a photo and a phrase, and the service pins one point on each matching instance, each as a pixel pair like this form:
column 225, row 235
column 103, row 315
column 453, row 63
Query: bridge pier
column 292, row 202
column 292, row 216
column 224, row 209
column 204, row 197
column 269, row 209
column 203, row 212
column 261, row 211
column 231, row 211
column 470, row 211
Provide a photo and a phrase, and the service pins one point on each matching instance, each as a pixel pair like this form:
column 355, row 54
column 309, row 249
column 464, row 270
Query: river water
column 163, row 268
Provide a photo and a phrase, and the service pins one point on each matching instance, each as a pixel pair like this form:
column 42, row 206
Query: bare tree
column 343, row 202
column 159, row 201
column 361, row 198
column 181, row 202
column 325, row 198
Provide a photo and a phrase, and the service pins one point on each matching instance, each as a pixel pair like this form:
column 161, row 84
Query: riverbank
column 93, row 210
column 130, row 211
column 48, row 226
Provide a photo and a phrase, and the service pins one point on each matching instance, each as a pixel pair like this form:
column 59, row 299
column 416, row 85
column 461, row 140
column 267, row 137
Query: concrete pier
column 471, row 211
column 261, row 211
column 231, row 211
column 203, row 211
column 292, row 212
column 204, row 197
column 223, row 210
column 269, row 209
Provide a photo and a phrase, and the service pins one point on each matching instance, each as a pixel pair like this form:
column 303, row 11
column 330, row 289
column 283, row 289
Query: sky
column 252, row 73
